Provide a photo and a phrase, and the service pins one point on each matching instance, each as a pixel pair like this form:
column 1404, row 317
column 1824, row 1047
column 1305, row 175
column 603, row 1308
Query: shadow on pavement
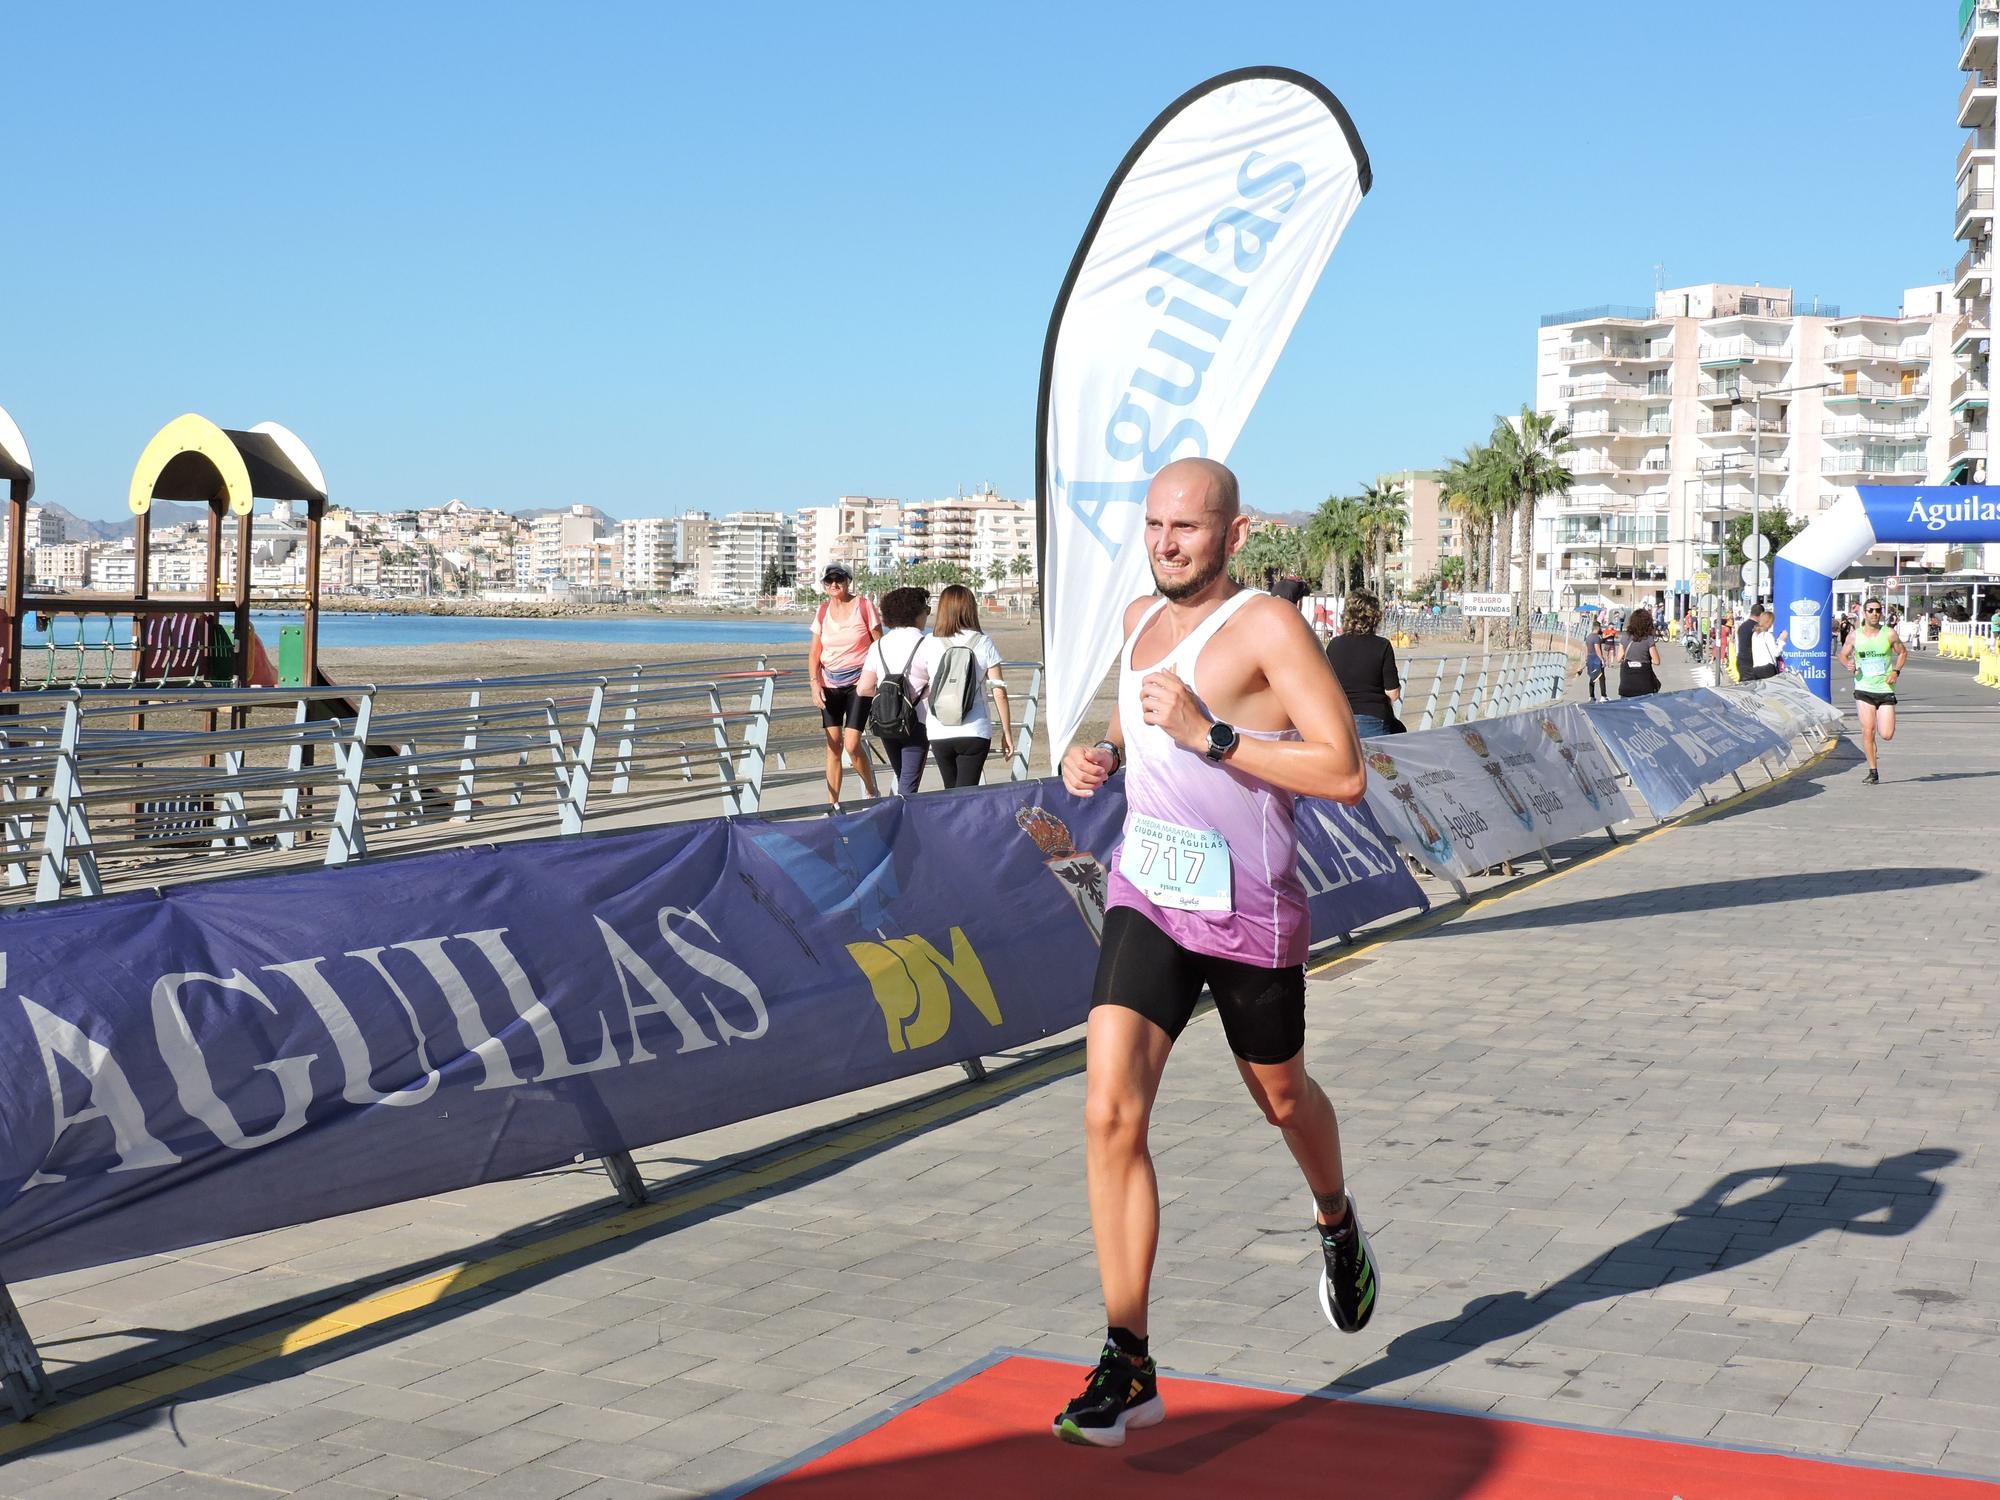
column 1714, row 895
column 1800, row 1200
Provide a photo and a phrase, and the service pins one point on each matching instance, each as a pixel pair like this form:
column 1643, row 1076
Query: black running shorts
column 1880, row 700
column 845, row 708
column 1140, row 968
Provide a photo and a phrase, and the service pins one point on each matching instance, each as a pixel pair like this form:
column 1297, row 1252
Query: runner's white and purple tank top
column 1267, row 924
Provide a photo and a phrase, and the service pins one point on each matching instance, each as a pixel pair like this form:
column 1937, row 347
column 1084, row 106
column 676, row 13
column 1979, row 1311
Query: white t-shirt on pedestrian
column 899, row 650
column 979, row 721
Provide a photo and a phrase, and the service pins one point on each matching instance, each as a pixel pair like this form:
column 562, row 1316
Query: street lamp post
column 1757, row 457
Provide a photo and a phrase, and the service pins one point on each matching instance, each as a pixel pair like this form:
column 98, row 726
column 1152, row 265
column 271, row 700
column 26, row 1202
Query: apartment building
column 740, row 551
column 646, row 548
column 550, row 535
column 1001, row 533
column 63, row 565
column 946, row 530
column 1718, row 394
column 840, row 533
column 1972, row 278
column 1432, row 533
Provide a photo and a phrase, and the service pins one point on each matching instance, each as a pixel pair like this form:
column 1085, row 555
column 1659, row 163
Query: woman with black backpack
column 1639, row 665
column 895, row 703
column 957, row 664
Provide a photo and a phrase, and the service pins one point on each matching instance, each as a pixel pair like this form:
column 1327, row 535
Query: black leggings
column 961, row 762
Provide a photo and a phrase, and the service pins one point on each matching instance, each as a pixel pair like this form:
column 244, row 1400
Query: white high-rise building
column 741, row 550
column 1972, row 279
column 646, row 554
column 1683, row 412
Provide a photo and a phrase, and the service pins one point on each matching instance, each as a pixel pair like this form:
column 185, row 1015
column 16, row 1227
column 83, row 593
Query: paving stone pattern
column 1694, row 1140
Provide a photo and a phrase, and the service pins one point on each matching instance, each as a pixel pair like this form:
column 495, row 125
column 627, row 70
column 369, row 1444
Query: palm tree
column 1384, row 517
column 1021, row 566
column 1528, row 454
column 1333, row 539
column 1470, row 495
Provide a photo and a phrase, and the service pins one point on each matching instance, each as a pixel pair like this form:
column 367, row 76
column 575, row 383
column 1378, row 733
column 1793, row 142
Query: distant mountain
column 533, row 513
column 80, row 529
column 1282, row 517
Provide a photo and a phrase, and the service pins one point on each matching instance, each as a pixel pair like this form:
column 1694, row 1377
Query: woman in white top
column 904, row 612
column 958, row 665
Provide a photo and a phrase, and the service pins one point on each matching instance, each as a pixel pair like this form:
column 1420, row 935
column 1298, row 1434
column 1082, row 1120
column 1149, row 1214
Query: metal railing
column 1615, row 390
column 1864, row 348
column 1871, row 427
column 122, row 786
column 1483, row 688
column 1973, row 203
column 1623, row 312
column 1743, row 348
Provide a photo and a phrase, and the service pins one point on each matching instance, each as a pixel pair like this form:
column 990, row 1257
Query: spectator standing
column 904, row 614
column 842, row 631
column 1639, row 663
column 959, row 665
column 1758, row 649
column 1593, row 664
column 1366, row 666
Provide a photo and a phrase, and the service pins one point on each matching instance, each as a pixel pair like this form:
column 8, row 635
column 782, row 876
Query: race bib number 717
column 1185, row 868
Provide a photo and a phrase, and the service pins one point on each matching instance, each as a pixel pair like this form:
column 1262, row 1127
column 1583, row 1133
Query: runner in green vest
column 1875, row 656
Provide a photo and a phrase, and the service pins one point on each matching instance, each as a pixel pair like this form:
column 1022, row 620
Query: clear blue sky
column 655, row 256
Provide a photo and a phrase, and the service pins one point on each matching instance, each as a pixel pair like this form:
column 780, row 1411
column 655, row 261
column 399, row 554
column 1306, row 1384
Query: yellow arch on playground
column 196, row 435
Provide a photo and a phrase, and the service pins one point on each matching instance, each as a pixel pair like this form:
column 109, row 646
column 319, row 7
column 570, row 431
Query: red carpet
column 988, row 1435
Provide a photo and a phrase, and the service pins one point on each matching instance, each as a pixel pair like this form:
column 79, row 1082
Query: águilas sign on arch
column 1195, row 267
column 1802, row 583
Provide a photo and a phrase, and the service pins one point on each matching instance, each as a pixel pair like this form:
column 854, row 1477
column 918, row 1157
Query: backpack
column 892, row 712
column 957, row 687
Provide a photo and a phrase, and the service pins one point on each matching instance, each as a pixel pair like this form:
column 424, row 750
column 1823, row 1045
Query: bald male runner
column 1227, row 712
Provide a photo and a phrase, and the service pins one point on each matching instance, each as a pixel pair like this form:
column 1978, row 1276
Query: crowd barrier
column 225, row 1057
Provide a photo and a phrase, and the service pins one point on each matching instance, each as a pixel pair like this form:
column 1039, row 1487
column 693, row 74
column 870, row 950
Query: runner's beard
column 1200, row 578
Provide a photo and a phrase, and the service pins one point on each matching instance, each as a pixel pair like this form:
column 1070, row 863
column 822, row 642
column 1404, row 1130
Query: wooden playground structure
column 102, row 638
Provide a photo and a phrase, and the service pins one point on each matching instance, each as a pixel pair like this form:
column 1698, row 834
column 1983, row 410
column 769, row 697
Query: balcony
column 1966, row 442
column 1977, row 143
column 1604, row 312
column 1976, row 99
column 1864, row 461
column 1968, row 388
column 1610, row 390
column 1742, row 422
column 1738, row 465
column 1974, row 268
column 1982, row 29
column 1970, row 327
column 1741, row 351
column 1972, row 206
column 1721, row 390
column 1861, row 351
column 1881, row 390
column 1873, row 427
column 1659, row 352
column 1599, row 424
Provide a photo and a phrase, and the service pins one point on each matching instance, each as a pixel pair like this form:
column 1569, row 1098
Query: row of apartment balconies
column 1978, row 39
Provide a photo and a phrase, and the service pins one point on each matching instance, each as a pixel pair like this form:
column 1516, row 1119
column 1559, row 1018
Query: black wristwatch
column 1221, row 740
column 1117, row 755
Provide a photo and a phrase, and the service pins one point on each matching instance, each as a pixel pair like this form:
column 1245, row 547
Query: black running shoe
column 1348, row 1282
column 1872, row 777
column 1122, row 1393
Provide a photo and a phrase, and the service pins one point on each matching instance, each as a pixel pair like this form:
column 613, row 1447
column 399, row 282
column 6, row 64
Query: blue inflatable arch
column 1802, row 582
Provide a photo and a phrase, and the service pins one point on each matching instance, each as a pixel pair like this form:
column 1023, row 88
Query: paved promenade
column 1695, row 1138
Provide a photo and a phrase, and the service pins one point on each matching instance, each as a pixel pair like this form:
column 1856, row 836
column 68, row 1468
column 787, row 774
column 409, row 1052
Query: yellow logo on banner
column 908, row 977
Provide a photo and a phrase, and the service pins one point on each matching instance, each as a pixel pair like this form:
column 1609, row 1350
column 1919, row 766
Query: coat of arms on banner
column 1424, row 828
column 1476, row 742
column 1568, row 755
column 1080, row 874
column 1805, row 624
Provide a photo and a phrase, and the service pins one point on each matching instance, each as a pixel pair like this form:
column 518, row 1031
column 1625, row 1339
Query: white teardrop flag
column 1195, row 267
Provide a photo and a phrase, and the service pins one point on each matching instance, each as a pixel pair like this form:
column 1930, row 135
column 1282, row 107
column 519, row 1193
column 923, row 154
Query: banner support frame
column 21, row 1371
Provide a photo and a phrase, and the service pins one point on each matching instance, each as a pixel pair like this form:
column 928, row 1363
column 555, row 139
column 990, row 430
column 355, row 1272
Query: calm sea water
column 346, row 631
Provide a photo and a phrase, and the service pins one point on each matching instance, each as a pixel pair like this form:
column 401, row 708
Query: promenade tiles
column 1696, row 1140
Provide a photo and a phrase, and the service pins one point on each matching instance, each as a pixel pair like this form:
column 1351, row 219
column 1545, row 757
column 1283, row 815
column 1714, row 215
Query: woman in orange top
column 843, row 630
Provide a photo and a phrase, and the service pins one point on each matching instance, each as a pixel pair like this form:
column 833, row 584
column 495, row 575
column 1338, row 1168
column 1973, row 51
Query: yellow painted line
column 200, row 1368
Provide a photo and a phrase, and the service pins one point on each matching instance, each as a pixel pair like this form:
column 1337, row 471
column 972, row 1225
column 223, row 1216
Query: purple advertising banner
column 222, row 1058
